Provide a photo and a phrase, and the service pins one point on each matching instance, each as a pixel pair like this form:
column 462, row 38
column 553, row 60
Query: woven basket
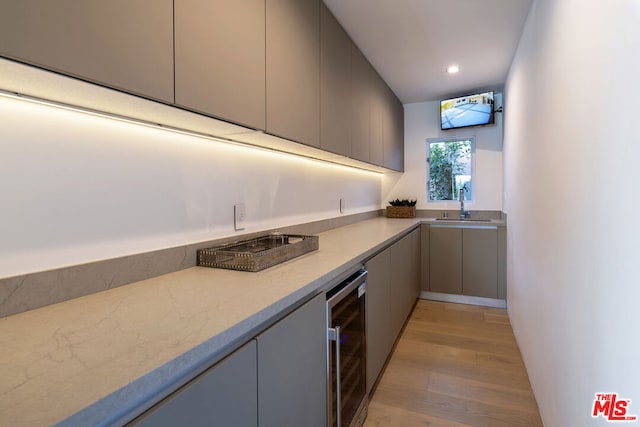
column 401, row 211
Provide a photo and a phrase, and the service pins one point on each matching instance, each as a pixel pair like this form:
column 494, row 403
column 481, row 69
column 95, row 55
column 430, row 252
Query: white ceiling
column 412, row 42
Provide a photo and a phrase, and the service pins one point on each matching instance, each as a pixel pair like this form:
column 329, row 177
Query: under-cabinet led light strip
column 174, row 129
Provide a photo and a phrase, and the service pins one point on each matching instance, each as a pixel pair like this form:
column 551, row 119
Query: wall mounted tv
column 472, row 110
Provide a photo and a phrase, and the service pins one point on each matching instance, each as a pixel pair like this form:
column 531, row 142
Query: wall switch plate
column 341, row 205
column 239, row 216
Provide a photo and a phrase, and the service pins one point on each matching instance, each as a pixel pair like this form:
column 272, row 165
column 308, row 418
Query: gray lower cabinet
column 292, row 369
column 124, row 44
column 293, row 69
column 480, row 262
column 502, row 262
column 445, row 259
column 393, row 285
column 405, row 278
column 424, row 255
column 220, row 63
column 465, row 260
column 414, row 262
column 277, row 379
column 335, row 85
column 379, row 335
column 224, row 395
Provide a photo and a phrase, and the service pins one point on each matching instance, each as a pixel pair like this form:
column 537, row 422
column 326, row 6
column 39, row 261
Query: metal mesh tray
column 259, row 253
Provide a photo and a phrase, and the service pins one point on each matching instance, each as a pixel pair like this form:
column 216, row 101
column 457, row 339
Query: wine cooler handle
column 334, row 335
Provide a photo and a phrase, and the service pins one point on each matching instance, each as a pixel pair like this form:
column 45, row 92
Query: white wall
column 421, row 122
column 571, row 171
column 76, row 188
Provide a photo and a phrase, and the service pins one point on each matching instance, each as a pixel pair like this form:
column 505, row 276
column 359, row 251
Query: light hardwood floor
column 454, row 365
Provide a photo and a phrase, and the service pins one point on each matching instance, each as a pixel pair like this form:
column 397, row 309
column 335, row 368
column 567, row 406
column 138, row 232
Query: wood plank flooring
column 454, row 365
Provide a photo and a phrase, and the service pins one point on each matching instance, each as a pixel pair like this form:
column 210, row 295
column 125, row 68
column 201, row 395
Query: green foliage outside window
column 449, row 169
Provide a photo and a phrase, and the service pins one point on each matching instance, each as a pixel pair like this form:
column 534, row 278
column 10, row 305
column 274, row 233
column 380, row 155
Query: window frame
column 474, row 183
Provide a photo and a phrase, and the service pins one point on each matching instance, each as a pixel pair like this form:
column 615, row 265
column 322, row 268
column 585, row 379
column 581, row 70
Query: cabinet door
column 293, row 69
column 292, row 369
column 424, row 255
column 445, row 260
column 397, row 287
column 398, row 114
column 480, row 262
column 393, row 285
column 335, row 85
column 123, row 44
column 220, row 59
column 413, row 256
column 225, row 395
column 393, row 131
column 379, row 334
column 405, row 279
column 360, row 100
column 502, row 262
column 377, row 112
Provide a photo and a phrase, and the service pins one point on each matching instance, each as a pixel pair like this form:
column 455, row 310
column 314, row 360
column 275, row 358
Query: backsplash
column 29, row 291
column 78, row 189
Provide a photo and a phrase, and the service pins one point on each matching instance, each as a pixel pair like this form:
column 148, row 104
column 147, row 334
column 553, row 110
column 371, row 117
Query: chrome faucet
column 463, row 214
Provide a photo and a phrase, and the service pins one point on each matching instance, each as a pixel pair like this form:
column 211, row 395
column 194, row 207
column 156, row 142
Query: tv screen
column 472, row 110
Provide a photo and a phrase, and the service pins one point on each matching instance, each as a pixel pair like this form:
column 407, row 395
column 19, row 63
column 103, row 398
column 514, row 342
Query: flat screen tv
column 471, row 110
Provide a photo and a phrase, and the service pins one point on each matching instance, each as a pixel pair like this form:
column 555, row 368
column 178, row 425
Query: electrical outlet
column 239, row 216
column 341, row 205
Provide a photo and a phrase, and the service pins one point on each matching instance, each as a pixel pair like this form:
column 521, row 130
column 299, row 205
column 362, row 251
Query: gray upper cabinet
column 335, row 85
column 123, row 44
column 377, row 110
column 293, row 69
column 224, row 395
column 220, row 59
column 393, row 132
column 292, row 369
column 283, row 66
column 360, row 100
column 398, row 113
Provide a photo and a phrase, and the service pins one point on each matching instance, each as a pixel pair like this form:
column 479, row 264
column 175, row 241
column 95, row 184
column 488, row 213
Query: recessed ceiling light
column 452, row 69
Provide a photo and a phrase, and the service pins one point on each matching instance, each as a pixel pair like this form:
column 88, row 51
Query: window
column 449, row 169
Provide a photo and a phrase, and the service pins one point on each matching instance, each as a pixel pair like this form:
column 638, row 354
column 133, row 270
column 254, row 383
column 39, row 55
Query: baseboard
column 464, row 299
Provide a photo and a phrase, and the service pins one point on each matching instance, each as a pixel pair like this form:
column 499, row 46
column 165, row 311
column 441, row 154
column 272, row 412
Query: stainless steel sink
column 259, row 253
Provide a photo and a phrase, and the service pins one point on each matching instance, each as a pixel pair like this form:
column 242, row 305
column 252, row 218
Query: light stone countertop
column 96, row 358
